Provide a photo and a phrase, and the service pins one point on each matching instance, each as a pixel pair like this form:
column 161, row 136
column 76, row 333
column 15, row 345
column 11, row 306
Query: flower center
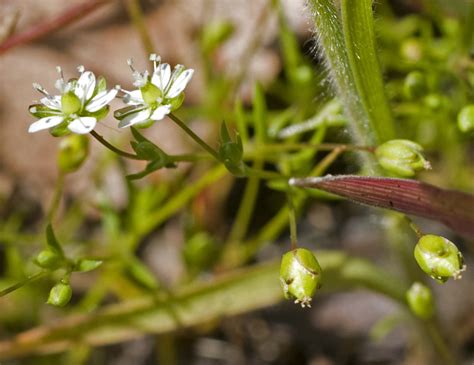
column 150, row 93
column 70, row 103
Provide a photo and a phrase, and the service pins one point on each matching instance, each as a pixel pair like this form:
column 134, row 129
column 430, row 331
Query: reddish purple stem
column 69, row 16
column 453, row 208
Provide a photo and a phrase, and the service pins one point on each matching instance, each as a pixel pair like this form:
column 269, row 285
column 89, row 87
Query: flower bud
column 420, row 300
column 414, row 85
column 73, row 151
column 60, row 294
column 200, row 252
column 401, row 157
column 439, row 258
column 300, row 275
column 48, row 259
column 412, row 50
column 466, row 119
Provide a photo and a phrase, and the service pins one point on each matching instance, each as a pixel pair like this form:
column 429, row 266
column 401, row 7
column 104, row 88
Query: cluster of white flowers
column 84, row 101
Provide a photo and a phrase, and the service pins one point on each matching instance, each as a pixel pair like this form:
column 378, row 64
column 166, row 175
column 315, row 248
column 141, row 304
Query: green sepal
column 84, row 265
column 60, row 130
column 99, row 114
column 124, row 112
column 52, row 242
column 60, row 294
column 41, row 111
column 101, row 85
column 177, row 101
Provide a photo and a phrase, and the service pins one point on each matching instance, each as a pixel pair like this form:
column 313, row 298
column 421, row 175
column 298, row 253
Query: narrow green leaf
column 259, row 114
column 358, row 28
column 52, row 242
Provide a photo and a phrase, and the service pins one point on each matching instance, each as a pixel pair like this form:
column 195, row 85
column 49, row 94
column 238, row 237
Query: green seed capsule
column 73, row 151
column 300, row 275
column 60, row 294
column 401, row 157
column 420, row 300
column 48, row 259
column 439, row 258
column 466, row 119
column 414, row 85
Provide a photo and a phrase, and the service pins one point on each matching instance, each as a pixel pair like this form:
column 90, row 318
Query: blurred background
column 231, row 45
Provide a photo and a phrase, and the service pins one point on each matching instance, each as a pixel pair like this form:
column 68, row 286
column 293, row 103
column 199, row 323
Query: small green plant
column 274, row 145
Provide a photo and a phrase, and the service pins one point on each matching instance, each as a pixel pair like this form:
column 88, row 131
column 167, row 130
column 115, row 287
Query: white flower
column 157, row 95
column 82, row 102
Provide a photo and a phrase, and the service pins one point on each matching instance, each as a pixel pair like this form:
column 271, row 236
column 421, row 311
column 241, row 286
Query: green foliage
column 405, row 83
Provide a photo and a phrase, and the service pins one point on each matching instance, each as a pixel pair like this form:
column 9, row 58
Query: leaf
column 52, row 241
column 84, row 265
column 151, row 167
column 453, row 208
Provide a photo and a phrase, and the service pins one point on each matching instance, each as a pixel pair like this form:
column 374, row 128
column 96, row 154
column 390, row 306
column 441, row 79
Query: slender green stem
column 263, row 174
column 194, row 136
column 111, row 147
column 246, row 208
column 178, row 200
column 189, row 157
column 292, row 220
column 58, row 191
column 414, row 227
column 272, row 148
column 18, row 285
column 136, row 14
column 433, row 330
column 173, row 158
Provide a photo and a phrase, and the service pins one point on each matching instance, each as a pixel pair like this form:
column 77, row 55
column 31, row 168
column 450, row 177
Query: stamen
column 39, row 88
column 60, row 72
column 130, row 64
column 156, row 60
column 80, row 68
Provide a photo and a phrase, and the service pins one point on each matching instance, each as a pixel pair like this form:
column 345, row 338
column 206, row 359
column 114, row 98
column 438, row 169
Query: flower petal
column 52, row 102
column 161, row 77
column 85, row 86
column 82, row 125
column 134, row 118
column 133, row 97
column 180, row 84
column 101, row 100
column 161, row 112
column 45, row 123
